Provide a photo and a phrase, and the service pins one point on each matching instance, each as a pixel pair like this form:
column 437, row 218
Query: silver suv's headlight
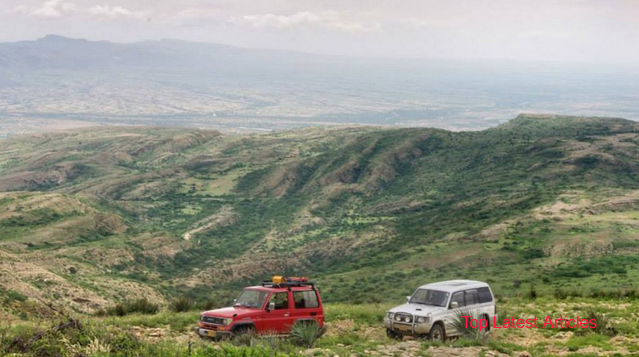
column 421, row 319
column 390, row 315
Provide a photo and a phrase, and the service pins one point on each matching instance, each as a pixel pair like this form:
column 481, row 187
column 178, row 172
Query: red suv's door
column 307, row 305
column 278, row 320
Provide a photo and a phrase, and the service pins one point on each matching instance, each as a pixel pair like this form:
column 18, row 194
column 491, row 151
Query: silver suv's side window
column 468, row 298
column 472, row 297
column 459, row 298
column 484, row 295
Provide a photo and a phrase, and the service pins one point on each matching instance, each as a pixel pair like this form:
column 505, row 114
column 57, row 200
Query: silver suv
column 432, row 309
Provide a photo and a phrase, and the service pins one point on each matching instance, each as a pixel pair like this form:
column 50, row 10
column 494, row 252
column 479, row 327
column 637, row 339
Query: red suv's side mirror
column 271, row 306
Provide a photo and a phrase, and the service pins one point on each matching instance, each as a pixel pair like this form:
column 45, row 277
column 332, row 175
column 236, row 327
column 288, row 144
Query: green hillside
column 92, row 217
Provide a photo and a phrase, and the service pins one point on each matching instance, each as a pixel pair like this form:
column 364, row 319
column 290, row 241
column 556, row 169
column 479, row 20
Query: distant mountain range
column 58, row 82
column 61, row 52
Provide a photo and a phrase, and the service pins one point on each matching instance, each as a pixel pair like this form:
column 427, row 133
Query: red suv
column 270, row 308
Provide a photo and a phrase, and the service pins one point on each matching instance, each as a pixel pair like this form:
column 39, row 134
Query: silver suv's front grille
column 403, row 318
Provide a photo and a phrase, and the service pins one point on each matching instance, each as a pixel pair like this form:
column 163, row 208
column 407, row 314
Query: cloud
column 197, row 16
column 52, row 9
column 114, row 12
column 304, row 19
column 56, row 9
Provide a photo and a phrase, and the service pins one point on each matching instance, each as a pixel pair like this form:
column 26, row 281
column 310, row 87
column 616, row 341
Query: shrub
column 142, row 306
column 560, row 294
column 532, row 293
column 182, row 304
column 307, row 333
column 13, row 295
column 467, row 331
column 117, row 310
column 604, row 325
column 206, row 305
column 4, row 331
column 247, row 338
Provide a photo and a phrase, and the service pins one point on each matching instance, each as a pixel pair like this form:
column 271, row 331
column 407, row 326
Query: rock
column 523, row 354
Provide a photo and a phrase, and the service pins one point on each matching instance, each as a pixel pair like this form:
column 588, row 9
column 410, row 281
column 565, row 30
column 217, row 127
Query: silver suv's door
column 452, row 313
column 468, row 303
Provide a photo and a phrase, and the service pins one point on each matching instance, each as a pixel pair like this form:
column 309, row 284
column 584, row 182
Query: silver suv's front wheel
column 437, row 333
column 393, row 335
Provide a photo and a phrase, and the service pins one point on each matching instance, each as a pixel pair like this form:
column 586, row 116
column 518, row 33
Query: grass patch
column 577, row 342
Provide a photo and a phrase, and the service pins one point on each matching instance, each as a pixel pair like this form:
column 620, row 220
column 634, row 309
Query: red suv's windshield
column 251, row 298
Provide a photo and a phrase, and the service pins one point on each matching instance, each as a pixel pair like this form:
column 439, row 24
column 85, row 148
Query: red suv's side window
column 280, row 300
column 305, row 299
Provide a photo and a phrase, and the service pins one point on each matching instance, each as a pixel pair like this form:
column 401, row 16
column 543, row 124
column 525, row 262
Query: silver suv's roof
column 454, row 285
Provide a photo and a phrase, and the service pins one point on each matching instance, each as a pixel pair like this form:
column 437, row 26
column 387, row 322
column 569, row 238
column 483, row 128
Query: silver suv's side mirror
column 271, row 306
column 454, row 305
column 408, row 298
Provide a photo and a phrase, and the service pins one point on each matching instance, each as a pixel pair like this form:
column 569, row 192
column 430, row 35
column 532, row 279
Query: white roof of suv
column 454, row 285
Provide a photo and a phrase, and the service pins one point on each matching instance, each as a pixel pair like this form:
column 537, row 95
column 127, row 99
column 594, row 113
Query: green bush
column 13, row 295
column 182, row 304
column 532, row 293
column 247, row 337
column 604, row 325
column 467, row 331
column 307, row 333
column 206, row 305
column 560, row 294
column 142, row 306
column 92, row 338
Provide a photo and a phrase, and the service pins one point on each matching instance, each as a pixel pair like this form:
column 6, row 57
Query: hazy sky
column 556, row 30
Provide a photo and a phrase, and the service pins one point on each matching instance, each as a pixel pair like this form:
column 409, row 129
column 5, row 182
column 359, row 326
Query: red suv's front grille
column 212, row 320
column 208, row 326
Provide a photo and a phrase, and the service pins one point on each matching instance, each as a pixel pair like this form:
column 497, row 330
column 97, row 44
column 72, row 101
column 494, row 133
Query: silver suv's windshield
column 429, row 297
column 251, row 298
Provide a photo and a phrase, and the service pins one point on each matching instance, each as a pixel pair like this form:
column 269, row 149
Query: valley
column 158, row 223
column 97, row 216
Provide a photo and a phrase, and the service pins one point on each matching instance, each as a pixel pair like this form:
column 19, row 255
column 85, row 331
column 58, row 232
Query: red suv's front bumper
column 214, row 334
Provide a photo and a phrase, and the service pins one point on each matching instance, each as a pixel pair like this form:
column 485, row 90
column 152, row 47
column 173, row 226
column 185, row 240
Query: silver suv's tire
column 437, row 333
column 393, row 335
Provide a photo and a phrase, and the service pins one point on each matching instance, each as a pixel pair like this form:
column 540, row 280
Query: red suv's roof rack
column 282, row 282
column 287, row 284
